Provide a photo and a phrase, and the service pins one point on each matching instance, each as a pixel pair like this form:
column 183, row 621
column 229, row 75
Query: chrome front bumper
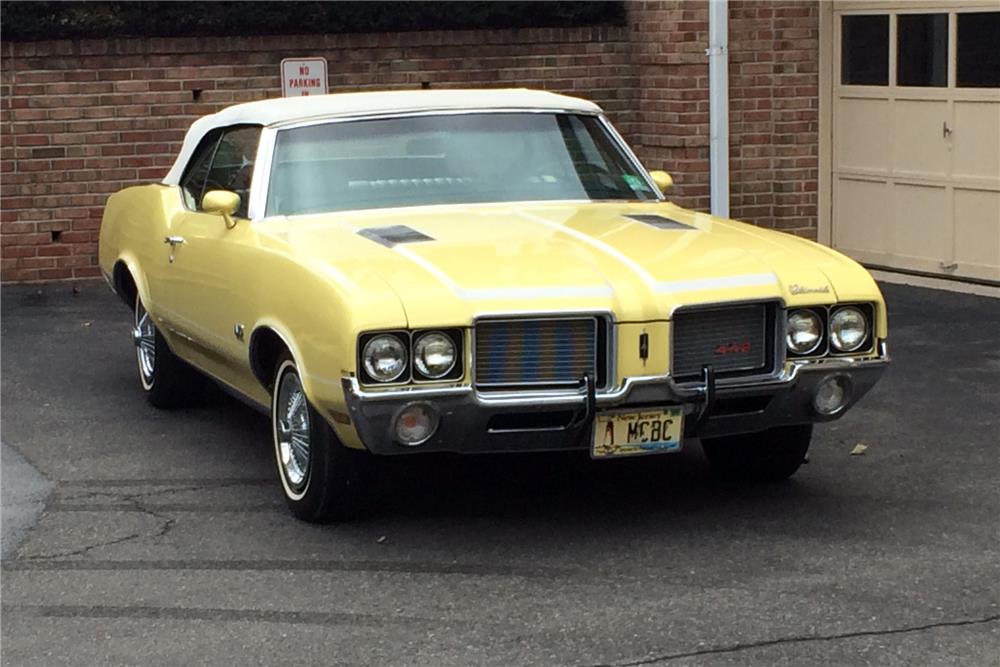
column 479, row 422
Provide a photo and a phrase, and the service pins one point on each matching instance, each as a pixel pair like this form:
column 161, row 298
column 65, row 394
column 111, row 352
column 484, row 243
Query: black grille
column 539, row 353
column 734, row 340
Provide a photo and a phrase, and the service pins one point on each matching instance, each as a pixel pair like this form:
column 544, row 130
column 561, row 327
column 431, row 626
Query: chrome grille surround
column 736, row 339
column 540, row 352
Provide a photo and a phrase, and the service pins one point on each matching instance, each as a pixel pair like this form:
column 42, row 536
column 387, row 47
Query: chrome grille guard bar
column 706, row 397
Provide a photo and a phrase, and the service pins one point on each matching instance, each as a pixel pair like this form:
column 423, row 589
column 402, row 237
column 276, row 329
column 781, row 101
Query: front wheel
column 322, row 479
column 166, row 380
column 768, row 456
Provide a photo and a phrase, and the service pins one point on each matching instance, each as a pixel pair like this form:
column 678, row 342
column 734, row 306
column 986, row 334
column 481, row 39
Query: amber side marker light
column 415, row 424
column 832, row 394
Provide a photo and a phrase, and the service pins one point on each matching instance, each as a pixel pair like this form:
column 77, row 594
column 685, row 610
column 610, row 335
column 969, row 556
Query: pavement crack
column 167, row 525
column 83, row 550
column 734, row 648
column 90, row 495
column 130, row 502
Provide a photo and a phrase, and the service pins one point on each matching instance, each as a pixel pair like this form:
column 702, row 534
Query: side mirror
column 222, row 202
column 662, row 180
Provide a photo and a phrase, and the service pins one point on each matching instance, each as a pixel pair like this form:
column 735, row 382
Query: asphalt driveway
column 164, row 540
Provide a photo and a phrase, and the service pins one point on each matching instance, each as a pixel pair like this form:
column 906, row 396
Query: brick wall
column 773, row 105
column 82, row 119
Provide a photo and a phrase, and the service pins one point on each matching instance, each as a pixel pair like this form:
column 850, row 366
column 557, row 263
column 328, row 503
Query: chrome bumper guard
column 780, row 399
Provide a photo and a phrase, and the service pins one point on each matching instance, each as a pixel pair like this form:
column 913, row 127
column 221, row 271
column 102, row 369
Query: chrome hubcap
column 144, row 337
column 292, row 428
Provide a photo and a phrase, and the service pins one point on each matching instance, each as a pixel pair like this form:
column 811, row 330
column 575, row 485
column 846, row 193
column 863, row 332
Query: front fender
column 325, row 392
column 318, row 319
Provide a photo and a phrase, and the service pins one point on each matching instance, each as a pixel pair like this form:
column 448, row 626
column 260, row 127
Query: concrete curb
column 23, row 491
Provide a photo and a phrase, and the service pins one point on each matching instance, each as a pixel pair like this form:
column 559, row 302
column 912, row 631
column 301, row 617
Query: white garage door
column 916, row 138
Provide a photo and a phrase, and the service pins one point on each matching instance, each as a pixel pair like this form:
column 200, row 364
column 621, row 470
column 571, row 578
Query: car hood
column 450, row 264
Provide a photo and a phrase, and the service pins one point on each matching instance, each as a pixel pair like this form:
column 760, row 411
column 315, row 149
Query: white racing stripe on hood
column 747, row 280
column 669, row 287
column 534, row 292
column 427, row 266
column 596, row 243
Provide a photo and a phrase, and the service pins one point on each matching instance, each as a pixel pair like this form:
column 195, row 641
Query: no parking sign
column 303, row 76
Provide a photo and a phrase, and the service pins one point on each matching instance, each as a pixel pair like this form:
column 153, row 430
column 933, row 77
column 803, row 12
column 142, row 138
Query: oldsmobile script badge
column 799, row 289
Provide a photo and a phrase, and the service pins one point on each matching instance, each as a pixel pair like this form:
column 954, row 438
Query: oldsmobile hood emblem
column 801, row 289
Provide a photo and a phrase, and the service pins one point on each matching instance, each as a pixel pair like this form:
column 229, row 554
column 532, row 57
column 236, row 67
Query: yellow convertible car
column 475, row 271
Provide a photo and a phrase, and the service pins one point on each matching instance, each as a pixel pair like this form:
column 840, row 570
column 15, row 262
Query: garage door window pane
column 922, row 51
column 979, row 50
column 864, row 50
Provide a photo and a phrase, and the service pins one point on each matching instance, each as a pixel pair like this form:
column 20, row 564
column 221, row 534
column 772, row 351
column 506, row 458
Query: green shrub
column 28, row 21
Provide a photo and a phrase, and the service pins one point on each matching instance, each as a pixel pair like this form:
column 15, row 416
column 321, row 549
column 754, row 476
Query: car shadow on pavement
column 543, row 485
column 567, row 487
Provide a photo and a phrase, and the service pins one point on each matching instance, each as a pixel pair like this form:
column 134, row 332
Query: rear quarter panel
column 132, row 231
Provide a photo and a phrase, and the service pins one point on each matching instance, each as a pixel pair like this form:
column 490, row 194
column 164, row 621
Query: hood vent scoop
column 659, row 222
column 394, row 234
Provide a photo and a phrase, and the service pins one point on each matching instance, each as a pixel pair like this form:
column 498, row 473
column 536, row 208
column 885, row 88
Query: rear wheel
column 167, row 381
column 768, row 456
column 322, row 479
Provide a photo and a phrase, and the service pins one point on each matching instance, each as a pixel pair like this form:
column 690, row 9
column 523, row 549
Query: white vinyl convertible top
column 340, row 105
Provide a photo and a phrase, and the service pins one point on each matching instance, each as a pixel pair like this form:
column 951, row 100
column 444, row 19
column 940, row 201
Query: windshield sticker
column 635, row 182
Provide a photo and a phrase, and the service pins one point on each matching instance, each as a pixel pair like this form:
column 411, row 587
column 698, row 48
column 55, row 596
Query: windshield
column 448, row 159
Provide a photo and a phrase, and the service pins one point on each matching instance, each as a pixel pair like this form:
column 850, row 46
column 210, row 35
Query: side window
column 193, row 180
column 232, row 164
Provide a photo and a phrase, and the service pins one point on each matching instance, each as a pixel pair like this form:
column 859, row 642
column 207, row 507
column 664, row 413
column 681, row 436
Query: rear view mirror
column 662, row 180
column 223, row 202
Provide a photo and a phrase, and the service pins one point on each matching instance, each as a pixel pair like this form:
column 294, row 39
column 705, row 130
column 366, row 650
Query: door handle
column 945, row 130
column 174, row 241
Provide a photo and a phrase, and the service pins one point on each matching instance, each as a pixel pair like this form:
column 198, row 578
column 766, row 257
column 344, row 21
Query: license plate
column 637, row 433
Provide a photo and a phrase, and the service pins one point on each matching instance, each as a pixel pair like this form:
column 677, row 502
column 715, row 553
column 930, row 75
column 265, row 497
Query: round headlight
column 434, row 355
column 848, row 329
column 804, row 332
column 384, row 358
